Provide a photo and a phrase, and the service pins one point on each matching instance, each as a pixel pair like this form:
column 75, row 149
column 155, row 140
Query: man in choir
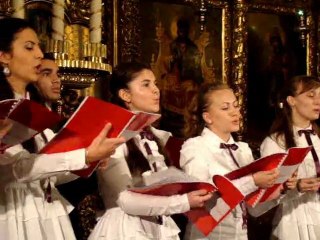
column 49, row 82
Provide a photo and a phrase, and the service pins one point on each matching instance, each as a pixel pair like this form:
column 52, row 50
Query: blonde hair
column 194, row 123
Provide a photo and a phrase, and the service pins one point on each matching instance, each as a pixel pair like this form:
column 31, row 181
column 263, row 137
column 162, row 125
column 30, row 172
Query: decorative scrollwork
column 312, row 46
column 78, row 11
column 280, row 2
column 107, row 31
column 277, row 9
column 239, row 57
column 129, row 26
column 226, row 43
column 5, row 8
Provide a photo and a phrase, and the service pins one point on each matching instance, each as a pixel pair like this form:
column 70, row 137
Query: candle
column 95, row 21
column 18, row 6
column 58, row 20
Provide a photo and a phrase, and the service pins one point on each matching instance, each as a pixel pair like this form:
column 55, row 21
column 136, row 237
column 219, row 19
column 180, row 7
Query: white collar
column 20, row 96
column 214, row 139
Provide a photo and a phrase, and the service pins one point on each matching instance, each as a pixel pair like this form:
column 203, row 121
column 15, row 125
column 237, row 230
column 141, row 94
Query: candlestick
column 58, row 20
column 95, row 21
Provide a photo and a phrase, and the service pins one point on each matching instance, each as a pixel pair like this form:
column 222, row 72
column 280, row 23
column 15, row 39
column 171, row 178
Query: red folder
column 173, row 147
column 287, row 168
column 28, row 119
column 229, row 197
column 173, row 181
column 89, row 119
column 287, row 164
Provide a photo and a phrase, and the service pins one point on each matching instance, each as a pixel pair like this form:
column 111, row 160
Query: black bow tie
column 306, row 132
column 229, row 146
column 146, row 133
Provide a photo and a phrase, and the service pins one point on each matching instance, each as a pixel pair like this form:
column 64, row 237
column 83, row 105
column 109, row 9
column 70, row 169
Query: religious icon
column 182, row 57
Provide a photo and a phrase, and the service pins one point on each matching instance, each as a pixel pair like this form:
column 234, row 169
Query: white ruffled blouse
column 24, row 211
column 298, row 215
column 203, row 158
column 135, row 216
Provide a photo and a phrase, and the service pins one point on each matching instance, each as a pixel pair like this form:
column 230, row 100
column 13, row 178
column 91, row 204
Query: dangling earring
column 6, row 70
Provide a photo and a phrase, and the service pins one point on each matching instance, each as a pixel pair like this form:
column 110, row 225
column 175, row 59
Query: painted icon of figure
column 185, row 54
column 277, row 66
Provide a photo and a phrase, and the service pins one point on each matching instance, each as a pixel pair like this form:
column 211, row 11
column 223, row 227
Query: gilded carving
column 107, row 28
column 76, row 35
column 281, row 2
column 239, row 60
column 129, row 22
column 277, row 9
column 311, row 46
column 5, row 8
column 78, row 11
column 226, row 43
column 129, row 46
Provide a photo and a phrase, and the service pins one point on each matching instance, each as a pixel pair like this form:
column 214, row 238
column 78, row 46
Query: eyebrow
column 46, row 70
column 230, row 102
column 227, row 104
column 32, row 42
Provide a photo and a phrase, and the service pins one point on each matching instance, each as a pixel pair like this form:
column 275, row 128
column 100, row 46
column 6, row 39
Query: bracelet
column 298, row 185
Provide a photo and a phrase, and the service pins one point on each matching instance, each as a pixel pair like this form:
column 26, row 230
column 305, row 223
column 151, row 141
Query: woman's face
column 25, row 57
column 143, row 93
column 305, row 106
column 223, row 114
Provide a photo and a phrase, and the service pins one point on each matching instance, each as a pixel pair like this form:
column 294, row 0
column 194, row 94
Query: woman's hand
column 291, row 183
column 5, row 126
column 102, row 147
column 265, row 179
column 308, row 185
column 198, row 198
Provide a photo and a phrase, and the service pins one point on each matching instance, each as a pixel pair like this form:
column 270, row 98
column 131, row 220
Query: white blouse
column 131, row 215
column 24, row 211
column 298, row 215
column 203, row 158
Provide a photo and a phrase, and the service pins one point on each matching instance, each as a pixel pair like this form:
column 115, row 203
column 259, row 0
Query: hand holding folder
column 287, row 163
column 87, row 122
column 27, row 119
column 173, row 181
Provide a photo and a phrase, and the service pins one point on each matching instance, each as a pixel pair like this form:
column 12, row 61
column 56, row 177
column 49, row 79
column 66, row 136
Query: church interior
column 254, row 46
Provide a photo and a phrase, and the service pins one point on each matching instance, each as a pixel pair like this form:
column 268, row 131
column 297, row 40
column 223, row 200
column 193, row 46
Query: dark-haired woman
column 130, row 215
column 30, row 207
column 298, row 215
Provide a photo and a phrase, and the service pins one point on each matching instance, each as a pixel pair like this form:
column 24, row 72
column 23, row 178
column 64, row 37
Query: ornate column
column 130, row 47
column 58, row 19
column 239, row 59
column 95, row 21
column 226, row 43
column 18, row 8
column 312, row 44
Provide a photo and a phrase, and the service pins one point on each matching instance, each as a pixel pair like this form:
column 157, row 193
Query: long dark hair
column 122, row 75
column 9, row 28
column 282, row 126
column 193, row 120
